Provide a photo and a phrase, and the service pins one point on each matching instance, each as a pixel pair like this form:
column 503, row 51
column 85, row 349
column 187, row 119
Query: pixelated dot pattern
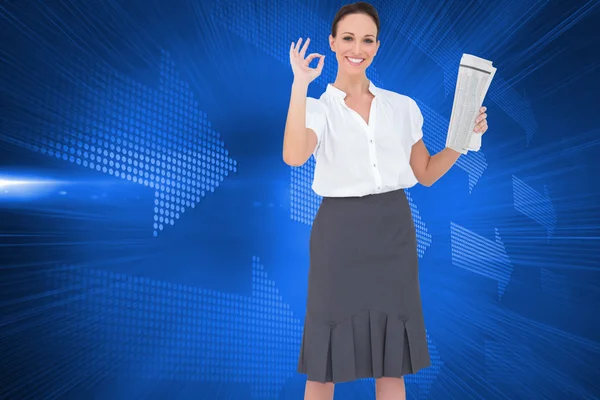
column 304, row 202
column 157, row 138
column 167, row 331
column 534, row 205
column 480, row 255
column 423, row 236
column 426, row 377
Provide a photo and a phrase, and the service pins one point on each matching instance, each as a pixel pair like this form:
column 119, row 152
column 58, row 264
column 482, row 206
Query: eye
column 348, row 38
column 369, row 40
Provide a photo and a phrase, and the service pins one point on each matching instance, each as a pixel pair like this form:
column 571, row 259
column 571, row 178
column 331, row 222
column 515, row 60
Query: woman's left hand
column 481, row 122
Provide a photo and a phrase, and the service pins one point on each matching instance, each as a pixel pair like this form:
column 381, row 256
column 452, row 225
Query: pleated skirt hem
column 368, row 344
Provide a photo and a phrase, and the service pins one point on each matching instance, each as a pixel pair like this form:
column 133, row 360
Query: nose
column 357, row 47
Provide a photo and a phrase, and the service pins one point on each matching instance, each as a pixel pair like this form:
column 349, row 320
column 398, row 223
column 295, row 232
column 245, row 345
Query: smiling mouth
column 355, row 61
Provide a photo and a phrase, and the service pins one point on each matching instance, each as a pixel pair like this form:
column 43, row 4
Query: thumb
column 321, row 63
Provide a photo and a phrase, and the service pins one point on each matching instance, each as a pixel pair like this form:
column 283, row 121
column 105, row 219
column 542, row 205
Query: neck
column 352, row 85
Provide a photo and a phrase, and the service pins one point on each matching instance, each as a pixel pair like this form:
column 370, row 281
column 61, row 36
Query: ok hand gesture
column 302, row 72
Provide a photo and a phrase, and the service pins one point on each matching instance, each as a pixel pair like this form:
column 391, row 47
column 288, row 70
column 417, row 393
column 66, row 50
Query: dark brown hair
column 360, row 7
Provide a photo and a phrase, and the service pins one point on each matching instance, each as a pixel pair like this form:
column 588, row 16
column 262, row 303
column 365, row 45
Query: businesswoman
column 364, row 317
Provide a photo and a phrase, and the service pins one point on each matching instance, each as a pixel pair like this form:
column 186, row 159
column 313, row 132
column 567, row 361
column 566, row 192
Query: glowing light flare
column 26, row 188
column 11, row 182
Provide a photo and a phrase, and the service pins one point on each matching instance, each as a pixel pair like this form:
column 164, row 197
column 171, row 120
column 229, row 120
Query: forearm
column 439, row 164
column 295, row 141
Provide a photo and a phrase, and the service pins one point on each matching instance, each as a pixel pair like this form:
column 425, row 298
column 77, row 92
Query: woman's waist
column 365, row 194
column 390, row 204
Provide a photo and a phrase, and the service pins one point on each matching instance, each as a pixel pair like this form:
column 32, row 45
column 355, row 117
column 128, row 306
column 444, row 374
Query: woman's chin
column 354, row 70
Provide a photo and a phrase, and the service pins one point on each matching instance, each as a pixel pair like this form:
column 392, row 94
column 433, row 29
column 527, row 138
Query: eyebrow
column 350, row 33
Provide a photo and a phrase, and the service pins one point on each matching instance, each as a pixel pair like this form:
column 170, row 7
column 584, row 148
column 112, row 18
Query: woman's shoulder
column 316, row 105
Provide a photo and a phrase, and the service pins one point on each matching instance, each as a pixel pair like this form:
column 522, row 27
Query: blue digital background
column 155, row 245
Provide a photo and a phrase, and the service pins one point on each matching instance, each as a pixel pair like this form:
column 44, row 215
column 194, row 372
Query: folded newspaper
column 474, row 78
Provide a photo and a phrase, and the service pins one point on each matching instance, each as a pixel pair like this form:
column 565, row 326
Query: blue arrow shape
column 442, row 46
column 153, row 137
column 165, row 331
column 534, row 205
column 480, row 255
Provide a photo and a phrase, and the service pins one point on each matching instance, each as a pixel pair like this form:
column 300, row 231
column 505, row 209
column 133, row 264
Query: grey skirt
column 364, row 317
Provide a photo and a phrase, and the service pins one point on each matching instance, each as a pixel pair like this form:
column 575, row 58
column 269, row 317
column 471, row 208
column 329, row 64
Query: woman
column 364, row 316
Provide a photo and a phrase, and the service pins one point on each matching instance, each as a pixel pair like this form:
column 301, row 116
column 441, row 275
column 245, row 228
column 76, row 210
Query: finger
column 303, row 52
column 292, row 47
column 298, row 43
column 483, row 109
column 480, row 128
column 321, row 63
column 311, row 57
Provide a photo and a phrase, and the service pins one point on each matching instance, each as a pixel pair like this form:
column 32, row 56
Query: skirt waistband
column 392, row 194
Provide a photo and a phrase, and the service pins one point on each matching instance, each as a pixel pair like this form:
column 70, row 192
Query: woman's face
column 355, row 43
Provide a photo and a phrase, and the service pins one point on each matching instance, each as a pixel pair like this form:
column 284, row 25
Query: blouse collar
column 335, row 92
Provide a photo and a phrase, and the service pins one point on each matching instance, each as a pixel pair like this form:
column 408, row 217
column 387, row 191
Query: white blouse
column 356, row 159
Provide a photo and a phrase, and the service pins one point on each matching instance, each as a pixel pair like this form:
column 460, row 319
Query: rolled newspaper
column 474, row 78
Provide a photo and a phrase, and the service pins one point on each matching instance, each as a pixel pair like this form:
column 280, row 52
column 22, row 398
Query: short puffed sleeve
column 316, row 118
column 416, row 118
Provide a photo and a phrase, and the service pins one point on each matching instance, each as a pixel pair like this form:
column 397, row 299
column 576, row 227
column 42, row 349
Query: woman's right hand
column 300, row 65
